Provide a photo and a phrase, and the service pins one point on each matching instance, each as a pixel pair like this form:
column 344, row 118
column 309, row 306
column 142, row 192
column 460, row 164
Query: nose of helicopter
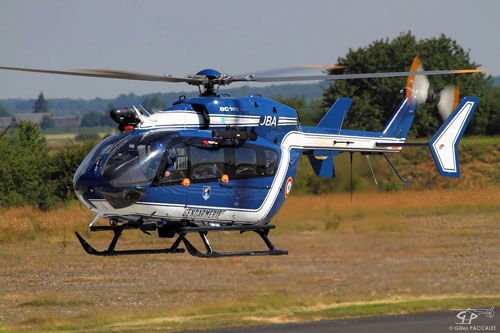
column 120, row 169
column 96, row 195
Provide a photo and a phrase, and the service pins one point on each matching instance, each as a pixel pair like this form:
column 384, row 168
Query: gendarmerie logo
column 203, row 213
column 206, row 192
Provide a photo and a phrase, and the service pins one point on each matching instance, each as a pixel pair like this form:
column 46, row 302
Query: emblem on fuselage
column 288, row 186
column 206, row 192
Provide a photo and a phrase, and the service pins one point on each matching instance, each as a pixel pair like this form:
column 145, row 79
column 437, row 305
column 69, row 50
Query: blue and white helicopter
column 217, row 163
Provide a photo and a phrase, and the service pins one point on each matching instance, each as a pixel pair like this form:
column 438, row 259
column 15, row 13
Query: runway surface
column 428, row 322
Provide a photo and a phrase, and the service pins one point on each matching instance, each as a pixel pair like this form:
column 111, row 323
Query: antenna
column 143, row 109
column 371, row 168
column 351, row 174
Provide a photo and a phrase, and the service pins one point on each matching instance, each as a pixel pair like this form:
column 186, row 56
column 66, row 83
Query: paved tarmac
column 428, row 322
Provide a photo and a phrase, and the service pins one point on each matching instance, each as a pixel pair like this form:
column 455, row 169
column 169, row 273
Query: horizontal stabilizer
column 335, row 116
column 444, row 143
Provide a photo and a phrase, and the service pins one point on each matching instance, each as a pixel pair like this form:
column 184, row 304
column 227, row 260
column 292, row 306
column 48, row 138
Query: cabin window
column 245, row 162
column 271, row 161
column 206, row 164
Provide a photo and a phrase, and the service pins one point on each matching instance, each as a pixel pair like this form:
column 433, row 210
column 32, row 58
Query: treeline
column 374, row 100
column 67, row 107
column 30, row 175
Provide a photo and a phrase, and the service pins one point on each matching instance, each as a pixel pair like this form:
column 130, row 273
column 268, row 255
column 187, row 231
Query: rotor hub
column 209, row 78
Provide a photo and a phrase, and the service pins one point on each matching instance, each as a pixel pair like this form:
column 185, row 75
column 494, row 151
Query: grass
column 270, row 309
column 57, row 138
column 263, row 271
column 474, row 140
column 382, row 211
column 384, row 253
column 18, row 224
column 334, row 213
column 54, row 300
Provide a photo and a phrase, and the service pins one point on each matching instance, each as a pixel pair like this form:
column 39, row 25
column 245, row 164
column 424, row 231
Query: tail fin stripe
column 395, row 116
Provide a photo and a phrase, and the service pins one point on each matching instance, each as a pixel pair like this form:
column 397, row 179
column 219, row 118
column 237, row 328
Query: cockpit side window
column 176, row 164
column 136, row 160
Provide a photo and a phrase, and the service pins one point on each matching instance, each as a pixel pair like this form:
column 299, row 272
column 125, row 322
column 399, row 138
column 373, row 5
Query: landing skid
column 182, row 231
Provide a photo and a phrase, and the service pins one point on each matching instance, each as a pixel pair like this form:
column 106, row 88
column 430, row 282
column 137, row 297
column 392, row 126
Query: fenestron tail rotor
column 417, row 85
column 447, row 101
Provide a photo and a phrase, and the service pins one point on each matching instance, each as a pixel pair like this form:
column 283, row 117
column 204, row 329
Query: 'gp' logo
column 467, row 316
column 268, row 121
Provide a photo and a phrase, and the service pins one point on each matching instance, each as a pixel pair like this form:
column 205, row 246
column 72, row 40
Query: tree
column 106, row 119
column 92, row 119
column 315, row 112
column 489, row 107
column 374, row 100
column 3, row 112
column 25, row 169
column 64, row 164
column 47, row 122
column 309, row 114
column 295, row 102
column 153, row 103
column 41, row 104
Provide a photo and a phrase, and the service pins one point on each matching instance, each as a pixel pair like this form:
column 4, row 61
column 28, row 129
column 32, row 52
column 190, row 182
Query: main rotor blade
column 286, row 70
column 323, row 66
column 110, row 74
column 251, row 78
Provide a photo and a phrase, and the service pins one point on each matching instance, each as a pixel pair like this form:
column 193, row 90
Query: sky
column 183, row 37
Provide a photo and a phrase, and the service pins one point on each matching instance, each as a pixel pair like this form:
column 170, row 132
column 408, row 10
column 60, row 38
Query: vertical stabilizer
column 336, row 115
column 444, row 143
column 400, row 122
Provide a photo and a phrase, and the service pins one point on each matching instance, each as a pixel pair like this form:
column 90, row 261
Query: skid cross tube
column 262, row 231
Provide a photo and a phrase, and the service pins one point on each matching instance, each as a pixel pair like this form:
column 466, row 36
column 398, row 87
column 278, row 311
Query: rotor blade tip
column 463, row 71
column 323, row 66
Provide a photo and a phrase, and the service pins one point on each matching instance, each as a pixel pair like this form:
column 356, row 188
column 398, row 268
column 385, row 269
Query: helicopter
column 216, row 163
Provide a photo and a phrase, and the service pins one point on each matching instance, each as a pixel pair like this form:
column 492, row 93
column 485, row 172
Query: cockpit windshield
column 136, row 160
column 94, row 158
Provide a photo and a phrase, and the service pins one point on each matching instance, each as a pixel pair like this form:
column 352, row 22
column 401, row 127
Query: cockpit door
column 168, row 189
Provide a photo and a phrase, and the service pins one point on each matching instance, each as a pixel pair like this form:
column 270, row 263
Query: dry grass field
column 383, row 253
